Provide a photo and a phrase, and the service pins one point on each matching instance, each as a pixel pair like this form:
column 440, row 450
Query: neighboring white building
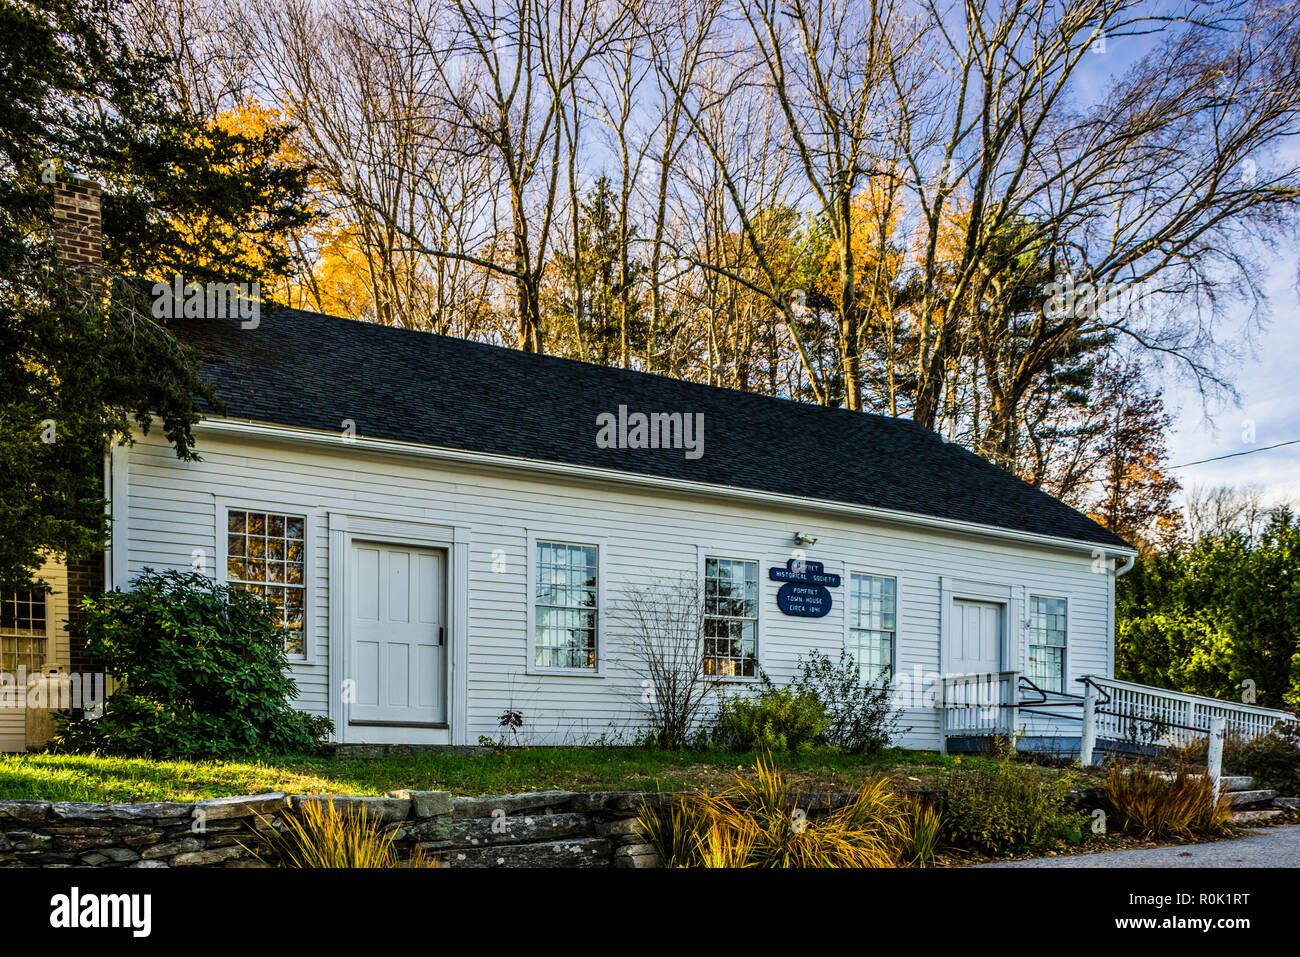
column 33, row 639
column 452, row 535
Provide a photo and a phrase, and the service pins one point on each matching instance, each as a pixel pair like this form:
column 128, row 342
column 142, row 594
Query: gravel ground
column 1258, row 847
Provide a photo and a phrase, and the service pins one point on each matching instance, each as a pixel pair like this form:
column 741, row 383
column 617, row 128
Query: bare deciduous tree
column 1147, row 188
column 664, row 625
column 924, row 174
column 1215, row 511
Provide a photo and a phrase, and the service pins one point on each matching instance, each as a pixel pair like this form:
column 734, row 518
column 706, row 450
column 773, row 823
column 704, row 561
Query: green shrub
column 201, row 672
column 859, row 716
column 1008, row 810
column 775, row 719
column 1272, row 760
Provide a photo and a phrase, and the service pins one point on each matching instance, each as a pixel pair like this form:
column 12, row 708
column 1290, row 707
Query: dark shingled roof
column 309, row 370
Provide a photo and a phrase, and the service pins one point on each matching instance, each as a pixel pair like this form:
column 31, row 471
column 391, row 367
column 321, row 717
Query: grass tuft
column 318, row 835
column 759, row 823
column 1150, row 803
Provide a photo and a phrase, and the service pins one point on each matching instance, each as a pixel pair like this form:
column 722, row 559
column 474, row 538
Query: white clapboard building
column 454, row 530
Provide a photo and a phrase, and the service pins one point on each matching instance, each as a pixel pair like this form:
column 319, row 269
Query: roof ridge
column 444, row 391
column 611, row 370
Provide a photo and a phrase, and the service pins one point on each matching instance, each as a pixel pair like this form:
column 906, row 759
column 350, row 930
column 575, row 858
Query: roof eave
column 616, row 476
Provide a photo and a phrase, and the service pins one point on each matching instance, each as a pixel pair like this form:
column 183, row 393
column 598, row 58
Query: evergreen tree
column 610, row 319
column 81, row 359
column 1221, row 619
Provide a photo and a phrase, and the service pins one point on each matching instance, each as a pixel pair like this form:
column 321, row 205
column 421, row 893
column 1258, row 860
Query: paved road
column 1258, row 847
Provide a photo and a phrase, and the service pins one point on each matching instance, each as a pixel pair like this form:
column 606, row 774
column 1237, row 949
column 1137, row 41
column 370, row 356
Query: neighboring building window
column 266, row 555
column 22, row 631
column 1047, row 643
column 730, row 617
column 873, row 613
column 565, row 606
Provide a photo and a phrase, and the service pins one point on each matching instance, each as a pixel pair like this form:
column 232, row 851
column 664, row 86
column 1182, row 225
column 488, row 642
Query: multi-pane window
column 266, row 555
column 1047, row 643
column 565, row 606
column 22, row 631
column 873, row 613
column 730, row 617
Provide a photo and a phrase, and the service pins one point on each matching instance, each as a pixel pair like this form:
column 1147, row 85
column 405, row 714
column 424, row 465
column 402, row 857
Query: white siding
column 172, row 512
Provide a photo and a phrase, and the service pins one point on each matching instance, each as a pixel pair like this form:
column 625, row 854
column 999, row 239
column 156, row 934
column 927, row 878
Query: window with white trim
column 1047, row 638
column 730, row 618
column 266, row 554
column 873, row 614
column 22, row 631
column 565, row 606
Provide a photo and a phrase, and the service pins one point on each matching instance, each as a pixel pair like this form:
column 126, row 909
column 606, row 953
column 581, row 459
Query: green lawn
column 83, row 778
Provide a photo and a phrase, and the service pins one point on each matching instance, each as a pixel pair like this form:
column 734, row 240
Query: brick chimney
column 79, row 242
column 78, row 224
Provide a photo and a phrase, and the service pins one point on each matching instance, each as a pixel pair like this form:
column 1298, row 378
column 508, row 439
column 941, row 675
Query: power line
column 1233, row 455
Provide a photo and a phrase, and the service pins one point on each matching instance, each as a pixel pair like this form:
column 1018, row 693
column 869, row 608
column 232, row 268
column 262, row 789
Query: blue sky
column 1269, row 385
column 1265, row 374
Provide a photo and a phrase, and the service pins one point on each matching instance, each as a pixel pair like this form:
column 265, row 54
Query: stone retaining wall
column 542, row 829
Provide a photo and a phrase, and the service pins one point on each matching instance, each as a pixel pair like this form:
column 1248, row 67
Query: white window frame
column 311, row 634
column 602, row 604
column 847, row 585
column 1030, row 643
column 702, row 563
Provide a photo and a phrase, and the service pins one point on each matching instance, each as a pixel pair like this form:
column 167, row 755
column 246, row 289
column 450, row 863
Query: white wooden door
column 397, row 636
column 977, row 638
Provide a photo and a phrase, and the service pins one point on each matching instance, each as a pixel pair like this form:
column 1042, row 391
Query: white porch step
column 1240, row 783
column 1241, row 798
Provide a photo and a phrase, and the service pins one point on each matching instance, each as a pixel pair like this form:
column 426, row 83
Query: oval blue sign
column 805, row 601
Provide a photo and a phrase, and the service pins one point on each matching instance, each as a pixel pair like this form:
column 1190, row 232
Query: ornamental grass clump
column 761, row 823
column 319, row 835
column 1150, row 803
column 921, row 824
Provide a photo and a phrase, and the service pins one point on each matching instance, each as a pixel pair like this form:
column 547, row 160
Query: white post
column 1217, row 728
column 1088, row 738
column 942, row 704
column 1007, row 694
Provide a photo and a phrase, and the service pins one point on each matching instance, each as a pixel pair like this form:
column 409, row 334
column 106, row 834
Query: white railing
column 978, row 704
column 1174, row 718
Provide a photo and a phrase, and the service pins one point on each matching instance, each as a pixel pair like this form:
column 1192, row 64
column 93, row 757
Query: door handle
column 440, row 635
